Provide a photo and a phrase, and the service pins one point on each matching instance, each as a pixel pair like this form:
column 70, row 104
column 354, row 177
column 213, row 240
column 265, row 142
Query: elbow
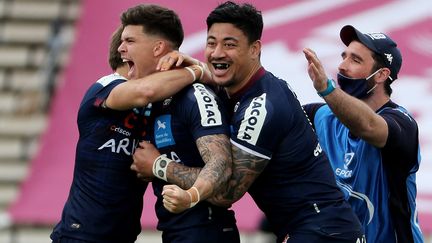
column 227, row 175
column 373, row 134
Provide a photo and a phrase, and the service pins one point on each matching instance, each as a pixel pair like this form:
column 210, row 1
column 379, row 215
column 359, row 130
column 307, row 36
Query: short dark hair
column 380, row 63
column 156, row 20
column 114, row 59
column 245, row 17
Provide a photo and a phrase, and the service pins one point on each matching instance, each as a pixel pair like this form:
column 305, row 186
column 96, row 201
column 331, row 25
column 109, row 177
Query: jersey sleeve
column 402, row 128
column 402, row 133
column 257, row 126
column 100, row 90
column 203, row 112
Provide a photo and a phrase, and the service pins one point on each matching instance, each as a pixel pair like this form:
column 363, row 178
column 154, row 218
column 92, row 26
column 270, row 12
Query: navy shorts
column 69, row 240
column 220, row 230
column 205, row 233
column 334, row 223
column 326, row 236
column 65, row 239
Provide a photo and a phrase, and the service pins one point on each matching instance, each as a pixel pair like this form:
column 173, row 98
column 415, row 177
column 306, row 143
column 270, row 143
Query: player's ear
column 383, row 75
column 160, row 48
column 255, row 48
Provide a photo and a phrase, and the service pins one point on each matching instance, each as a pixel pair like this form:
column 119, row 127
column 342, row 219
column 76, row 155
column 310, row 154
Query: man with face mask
column 372, row 142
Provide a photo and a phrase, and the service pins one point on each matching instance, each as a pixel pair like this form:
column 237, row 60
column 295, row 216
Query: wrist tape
column 194, row 196
column 192, row 72
column 202, row 72
column 160, row 166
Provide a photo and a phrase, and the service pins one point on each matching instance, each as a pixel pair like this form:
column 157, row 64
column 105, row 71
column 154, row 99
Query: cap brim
column 348, row 33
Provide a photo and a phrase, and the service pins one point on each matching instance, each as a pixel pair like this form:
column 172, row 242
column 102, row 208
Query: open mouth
column 131, row 66
column 128, row 62
column 220, row 69
column 221, row 66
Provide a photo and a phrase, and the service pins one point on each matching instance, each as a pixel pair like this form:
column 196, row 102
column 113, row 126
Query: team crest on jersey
column 208, row 108
column 167, row 102
column 345, row 172
column 236, row 106
column 162, row 131
column 348, row 159
column 253, row 120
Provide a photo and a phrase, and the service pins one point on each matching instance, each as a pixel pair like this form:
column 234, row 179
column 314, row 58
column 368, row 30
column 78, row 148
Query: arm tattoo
column 246, row 168
column 215, row 151
column 181, row 175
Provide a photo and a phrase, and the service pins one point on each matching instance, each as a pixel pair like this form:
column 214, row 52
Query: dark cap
column 378, row 43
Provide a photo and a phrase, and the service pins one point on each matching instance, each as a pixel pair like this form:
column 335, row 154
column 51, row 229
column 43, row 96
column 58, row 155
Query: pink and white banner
column 289, row 26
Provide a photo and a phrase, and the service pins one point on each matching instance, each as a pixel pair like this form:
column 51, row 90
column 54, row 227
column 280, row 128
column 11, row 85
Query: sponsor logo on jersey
column 132, row 121
column 253, row 120
column 125, row 145
column 208, row 108
column 162, row 131
column 131, row 129
column 120, row 130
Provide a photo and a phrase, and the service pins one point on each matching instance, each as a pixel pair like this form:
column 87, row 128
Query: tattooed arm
column 246, row 168
column 215, row 151
column 202, row 183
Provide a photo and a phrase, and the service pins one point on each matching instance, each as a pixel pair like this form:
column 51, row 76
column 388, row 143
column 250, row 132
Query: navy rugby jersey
column 106, row 198
column 379, row 183
column 178, row 122
column 298, row 182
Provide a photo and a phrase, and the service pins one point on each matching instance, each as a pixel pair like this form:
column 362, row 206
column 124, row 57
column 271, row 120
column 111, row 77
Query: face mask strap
column 370, row 76
column 372, row 88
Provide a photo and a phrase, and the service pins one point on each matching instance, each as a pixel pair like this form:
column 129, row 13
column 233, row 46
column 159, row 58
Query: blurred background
column 52, row 50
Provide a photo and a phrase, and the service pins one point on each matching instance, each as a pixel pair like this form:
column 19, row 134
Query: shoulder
column 273, row 83
column 311, row 109
column 102, row 87
column 198, row 102
column 196, row 93
column 402, row 128
column 398, row 115
column 106, row 80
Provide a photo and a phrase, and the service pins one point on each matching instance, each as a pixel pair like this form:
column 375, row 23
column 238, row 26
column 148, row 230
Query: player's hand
column 315, row 70
column 143, row 160
column 175, row 199
column 176, row 59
